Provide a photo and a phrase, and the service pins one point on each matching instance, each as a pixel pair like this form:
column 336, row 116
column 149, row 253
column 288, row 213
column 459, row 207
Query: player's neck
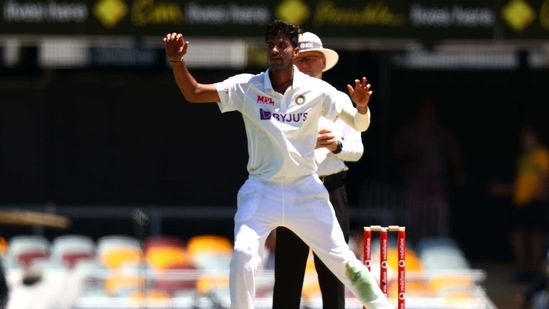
column 281, row 79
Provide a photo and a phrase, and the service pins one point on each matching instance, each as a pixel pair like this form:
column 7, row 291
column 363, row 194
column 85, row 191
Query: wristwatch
column 339, row 147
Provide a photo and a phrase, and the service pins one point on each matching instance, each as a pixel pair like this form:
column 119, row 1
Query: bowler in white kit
column 281, row 108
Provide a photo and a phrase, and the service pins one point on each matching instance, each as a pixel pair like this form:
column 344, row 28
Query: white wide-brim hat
column 309, row 41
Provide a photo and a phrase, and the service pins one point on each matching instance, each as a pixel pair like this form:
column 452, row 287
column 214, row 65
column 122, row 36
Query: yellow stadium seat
column 209, row 243
column 115, row 257
column 206, row 283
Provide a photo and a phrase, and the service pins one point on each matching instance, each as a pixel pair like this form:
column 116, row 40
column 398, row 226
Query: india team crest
column 300, row 99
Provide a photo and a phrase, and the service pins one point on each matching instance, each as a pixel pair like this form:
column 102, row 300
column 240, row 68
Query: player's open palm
column 361, row 92
column 176, row 46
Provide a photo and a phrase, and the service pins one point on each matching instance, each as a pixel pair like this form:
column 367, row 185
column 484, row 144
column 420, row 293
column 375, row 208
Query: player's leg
column 312, row 217
column 536, row 235
column 291, row 255
column 333, row 290
column 253, row 223
column 518, row 239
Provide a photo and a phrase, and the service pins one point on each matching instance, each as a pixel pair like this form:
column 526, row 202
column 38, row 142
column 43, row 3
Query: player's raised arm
column 359, row 117
column 194, row 92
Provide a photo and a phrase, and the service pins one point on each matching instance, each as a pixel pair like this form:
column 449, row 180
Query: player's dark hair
column 280, row 27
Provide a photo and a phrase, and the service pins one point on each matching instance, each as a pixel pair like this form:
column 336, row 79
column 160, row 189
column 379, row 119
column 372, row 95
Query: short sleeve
column 231, row 92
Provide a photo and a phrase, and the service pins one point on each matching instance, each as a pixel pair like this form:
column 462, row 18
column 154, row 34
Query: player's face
column 311, row 63
column 280, row 52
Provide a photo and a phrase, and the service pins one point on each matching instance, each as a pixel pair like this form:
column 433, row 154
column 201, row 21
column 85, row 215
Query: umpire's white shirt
column 281, row 129
column 330, row 163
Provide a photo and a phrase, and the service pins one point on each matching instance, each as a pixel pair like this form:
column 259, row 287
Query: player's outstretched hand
column 360, row 93
column 176, row 46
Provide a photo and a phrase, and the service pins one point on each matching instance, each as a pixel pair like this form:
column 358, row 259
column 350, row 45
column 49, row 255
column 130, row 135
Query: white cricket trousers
column 304, row 207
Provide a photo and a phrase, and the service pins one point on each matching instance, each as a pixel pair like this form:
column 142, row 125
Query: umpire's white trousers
column 304, row 207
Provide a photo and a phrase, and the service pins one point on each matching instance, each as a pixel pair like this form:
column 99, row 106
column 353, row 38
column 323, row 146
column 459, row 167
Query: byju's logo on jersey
column 261, row 99
column 264, row 115
column 286, row 118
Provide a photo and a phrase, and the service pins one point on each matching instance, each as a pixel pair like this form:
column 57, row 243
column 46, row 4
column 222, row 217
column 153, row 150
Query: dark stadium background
column 112, row 137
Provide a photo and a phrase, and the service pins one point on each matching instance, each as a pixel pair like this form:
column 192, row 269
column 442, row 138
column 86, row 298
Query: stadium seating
column 23, row 250
column 69, row 249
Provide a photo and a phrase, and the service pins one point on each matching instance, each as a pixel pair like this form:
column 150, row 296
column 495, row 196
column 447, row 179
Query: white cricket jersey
column 281, row 129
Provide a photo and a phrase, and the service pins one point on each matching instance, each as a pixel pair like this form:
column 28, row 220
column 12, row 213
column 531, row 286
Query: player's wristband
column 176, row 61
